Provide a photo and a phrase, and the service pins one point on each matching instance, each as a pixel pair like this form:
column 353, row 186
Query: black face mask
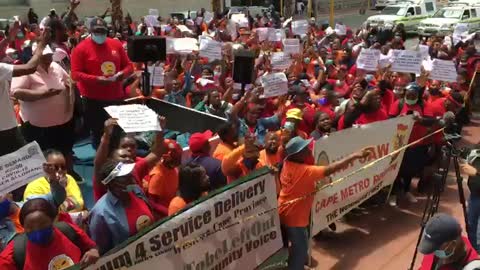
column 434, row 91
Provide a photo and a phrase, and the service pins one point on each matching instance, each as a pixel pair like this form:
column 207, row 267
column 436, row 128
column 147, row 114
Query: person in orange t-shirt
column 242, row 161
column 193, row 183
column 270, row 156
column 299, row 180
column 228, row 134
column 163, row 183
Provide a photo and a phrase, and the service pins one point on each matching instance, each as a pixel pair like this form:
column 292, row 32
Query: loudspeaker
column 243, row 66
column 146, row 48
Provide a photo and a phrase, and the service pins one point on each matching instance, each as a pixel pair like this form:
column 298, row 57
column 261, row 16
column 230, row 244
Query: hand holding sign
column 135, row 118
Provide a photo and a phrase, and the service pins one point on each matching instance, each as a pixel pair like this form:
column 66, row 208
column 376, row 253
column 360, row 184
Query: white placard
column 135, row 118
column 264, row 32
column 368, row 59
column 211, row 49
column 406, row 61
column 276, row 35
column 384, row 60
column 235, row 229
column 280, row 60
column 153, row 11
column 332, row 203
column 240, row 19
column 157, row 75
column 208, row 16
column 184, row 28
column 424, row 50
column 340, row 29
column 291, row 46
column 443, row 70
column 275, row 84
column 21, row 167
column 151, row 21
column 184, row 45
column 300, row 27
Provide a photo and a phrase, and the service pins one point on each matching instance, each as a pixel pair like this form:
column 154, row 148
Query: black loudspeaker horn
column 146, row 48
column 243, row 66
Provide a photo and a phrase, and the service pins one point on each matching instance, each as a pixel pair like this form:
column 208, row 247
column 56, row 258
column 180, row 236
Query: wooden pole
column 332, row 13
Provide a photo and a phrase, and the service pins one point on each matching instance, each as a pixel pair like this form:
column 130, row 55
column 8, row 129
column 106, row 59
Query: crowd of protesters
column 57, row 74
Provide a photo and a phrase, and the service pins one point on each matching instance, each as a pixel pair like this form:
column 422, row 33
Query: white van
column 407, row 13
column 444, row 21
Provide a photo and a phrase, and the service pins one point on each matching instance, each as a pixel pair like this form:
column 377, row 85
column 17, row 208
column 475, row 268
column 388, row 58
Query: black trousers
column 95, row 116
column 61, row 137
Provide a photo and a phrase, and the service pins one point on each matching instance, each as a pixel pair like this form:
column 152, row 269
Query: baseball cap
column 296, row 145
column 295, row 113
column 121, row 169
column 98, row 24
column 198, row 140
column 440, row 229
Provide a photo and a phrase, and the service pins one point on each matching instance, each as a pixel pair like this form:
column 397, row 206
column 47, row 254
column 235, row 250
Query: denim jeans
column 298, row 238
column 473, row 215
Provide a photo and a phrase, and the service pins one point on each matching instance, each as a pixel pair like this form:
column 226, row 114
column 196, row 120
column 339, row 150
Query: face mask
column 306, row 60
column 442, row 254
column 99, row 38
column 20, row 35
column 411, row 102
column 329, row 62
column 434, row 90
column 323, row 101
column 5, row 208
column 40, row 237
column 289, row 125
column 168, row 28
column 250, row 163
column 130, row 188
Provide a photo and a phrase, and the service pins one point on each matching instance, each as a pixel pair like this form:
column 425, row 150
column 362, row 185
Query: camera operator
column 444, row 247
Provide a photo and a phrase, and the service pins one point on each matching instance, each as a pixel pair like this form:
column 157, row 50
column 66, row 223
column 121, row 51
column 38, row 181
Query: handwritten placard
column 291, row 46
column 280, row 60
column 276, row 35
column 264, row 32
column 443, row 70
column 406, row 61
column 157, row 75
column 184, row 45
column 210, row 49
column 300, row 27
column 135, row 118
column 340, row 29
column 368, row 59
column 275, row 84
column 20, row 167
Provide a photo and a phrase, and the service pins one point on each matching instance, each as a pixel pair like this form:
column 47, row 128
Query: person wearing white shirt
column 10, row 137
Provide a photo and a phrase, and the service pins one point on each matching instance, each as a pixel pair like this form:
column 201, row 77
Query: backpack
column 20, row 242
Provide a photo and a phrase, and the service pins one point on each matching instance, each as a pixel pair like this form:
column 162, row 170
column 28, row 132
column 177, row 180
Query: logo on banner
column 323, row 160
column 399, row 140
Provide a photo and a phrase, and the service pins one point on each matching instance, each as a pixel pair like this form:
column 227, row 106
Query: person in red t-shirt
column 367, row 111
column 416, row 156
column 126, row 152
column 443, row 245
column 46, row 246
column 99, row 65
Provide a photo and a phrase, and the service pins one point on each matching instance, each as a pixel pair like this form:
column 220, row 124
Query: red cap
column 198, row 140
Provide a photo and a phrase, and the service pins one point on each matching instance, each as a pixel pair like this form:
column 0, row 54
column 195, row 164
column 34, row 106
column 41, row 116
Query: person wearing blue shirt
column 122, row 212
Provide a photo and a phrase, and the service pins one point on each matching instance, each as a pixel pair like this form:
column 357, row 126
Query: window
column 466, row 14
column 411, row 11
column 429, row 6
column 474, row 13
column 418, row 11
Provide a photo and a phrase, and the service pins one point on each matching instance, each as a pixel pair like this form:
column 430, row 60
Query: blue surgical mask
column 442, row 254
column 306, row 60
column 40, row 237
column 323, row 101
column 329, row 62
column 20, row 35
column 99, row 38
column 5, row 208
column 130, row 188
column 411, row 102
column 289, row 125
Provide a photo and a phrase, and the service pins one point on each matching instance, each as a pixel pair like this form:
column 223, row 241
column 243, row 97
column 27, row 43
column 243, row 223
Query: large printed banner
column 220, row 232
column 333, row 202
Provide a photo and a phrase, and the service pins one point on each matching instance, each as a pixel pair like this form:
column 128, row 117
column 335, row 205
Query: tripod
column 450, row 152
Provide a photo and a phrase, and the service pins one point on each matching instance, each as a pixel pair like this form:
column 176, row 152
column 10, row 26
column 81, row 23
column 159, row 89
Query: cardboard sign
column 280, row 60
column 300, row 27
column 443, row 70
column 211, row 49
column 291, row 46
column 368, row 59
column 21, row 167
column 406, row 61
column 135, row 118
column 275, row 84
